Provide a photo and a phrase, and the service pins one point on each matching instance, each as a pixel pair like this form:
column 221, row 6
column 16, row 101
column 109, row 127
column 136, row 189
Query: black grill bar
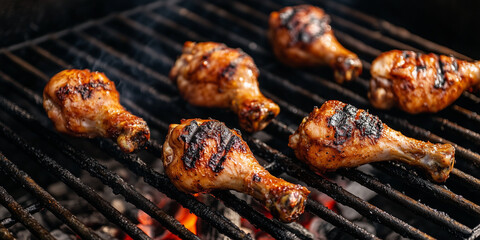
column 23, row 216
column 46, row 199
column 439, row 192
column 373, row 183
column 101, row 172
column 32, row 209
column 386, row 27
column 276, row 230
column 338, row 220
column 73, row 182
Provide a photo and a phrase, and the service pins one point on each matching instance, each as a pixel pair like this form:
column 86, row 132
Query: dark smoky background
column 21, row 20
column 448, row 22
column 452, row 23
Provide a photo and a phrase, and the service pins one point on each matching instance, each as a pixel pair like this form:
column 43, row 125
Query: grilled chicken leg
column 86, row 104
column 204, row 155
column 339, row 135
column 302, row 36
column 210, row 74
column 417, row 82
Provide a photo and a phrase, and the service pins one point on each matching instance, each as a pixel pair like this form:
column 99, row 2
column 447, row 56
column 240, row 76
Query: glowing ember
column 189, row 220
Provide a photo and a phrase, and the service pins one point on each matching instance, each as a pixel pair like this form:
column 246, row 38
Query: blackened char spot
column 343, row 122
column 369, row 125
column 63, row 92
column 85, row 90
column 195, row 138
column 301, row 30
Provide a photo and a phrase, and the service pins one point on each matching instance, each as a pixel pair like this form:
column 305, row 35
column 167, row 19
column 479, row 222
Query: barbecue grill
column 136, row 49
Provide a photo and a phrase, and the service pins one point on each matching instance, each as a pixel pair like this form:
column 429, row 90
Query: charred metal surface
column 430, row 213
column 32, row 209
column 23, row 216
column 49, row 202
column 274, row 228
column 73, row 182
column 196, row 139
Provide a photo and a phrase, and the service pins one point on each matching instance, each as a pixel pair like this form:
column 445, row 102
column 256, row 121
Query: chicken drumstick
column 210, row 74
column 86, row 104
column 339, row 135
column 301, row 36
column 417, row 82
column 204, row 155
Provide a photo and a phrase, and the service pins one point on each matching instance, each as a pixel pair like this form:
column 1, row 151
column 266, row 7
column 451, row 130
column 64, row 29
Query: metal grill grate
column 136, row 50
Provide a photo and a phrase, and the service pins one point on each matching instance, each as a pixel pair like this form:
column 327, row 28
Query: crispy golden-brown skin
column 339, row 135
column 204, row 155
column 416, row 82
column 86, row 104
column 210, row 74
column 301, row 36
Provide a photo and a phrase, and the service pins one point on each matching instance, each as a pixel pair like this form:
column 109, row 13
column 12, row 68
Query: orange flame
column 188, row 219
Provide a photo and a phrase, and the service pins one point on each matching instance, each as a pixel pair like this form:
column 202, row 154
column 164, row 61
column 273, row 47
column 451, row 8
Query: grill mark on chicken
column 344, row 121
column 304, row 31
column 229, row 71
column 196, row 137
column 85, row 90
column 440, row 80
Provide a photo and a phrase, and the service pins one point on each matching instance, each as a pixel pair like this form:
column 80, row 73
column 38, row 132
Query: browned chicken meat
column 301, row 36
column 204, row 155
column 210, row 74
column 339, row 135
column 417, row 82
column 86, row 104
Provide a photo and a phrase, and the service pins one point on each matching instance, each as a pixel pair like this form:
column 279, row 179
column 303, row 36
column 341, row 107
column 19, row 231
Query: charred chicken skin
column 204, row 155
column 416, row 82
column 210, row 74
column 339, row 135
column 301, row 36
column 86, row 104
